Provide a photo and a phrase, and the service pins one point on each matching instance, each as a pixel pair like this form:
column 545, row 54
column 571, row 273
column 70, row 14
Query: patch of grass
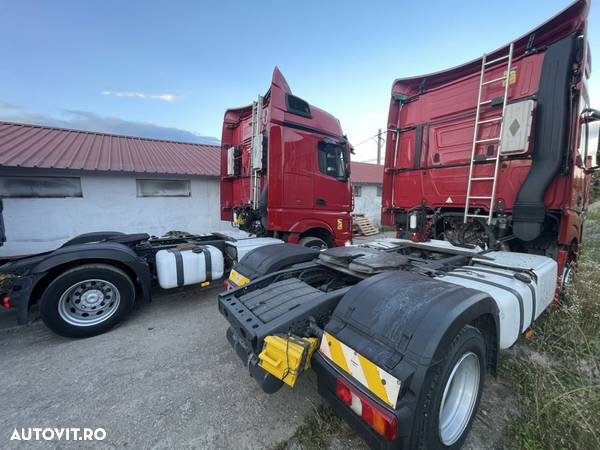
column 595, row 187
column 558, row 373
column 316, row 431
column 593, row 216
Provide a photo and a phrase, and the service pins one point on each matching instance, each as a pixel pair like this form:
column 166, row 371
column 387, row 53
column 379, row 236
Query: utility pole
column 379, row 145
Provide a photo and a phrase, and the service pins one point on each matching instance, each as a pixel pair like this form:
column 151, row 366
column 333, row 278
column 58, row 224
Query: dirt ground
column 165, row 378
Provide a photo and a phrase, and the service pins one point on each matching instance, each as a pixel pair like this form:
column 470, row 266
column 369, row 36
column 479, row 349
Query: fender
column 272, row 258
column 306, row 224
column 92, row 237
column 31, row 270
column 108, row 251
column 403, row 322
column 408, row 315
column 445, row 319
column 570, row 227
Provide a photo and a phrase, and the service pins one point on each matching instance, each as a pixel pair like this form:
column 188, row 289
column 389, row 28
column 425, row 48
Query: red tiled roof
column 35, row 146
column 366, row 173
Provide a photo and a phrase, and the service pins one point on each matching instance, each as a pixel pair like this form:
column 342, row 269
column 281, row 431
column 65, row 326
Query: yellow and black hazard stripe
column 385, row 386
column 237, row 279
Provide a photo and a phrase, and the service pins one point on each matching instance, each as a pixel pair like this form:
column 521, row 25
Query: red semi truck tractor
column 285, row 169
column 496, row 152
column 285, row 174
column 487, row 180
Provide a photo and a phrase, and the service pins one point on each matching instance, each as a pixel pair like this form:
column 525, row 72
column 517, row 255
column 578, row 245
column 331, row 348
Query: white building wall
column 109, row 203
column 368, row 204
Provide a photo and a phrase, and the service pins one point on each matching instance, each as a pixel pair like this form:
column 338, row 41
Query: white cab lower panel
column 522, row 286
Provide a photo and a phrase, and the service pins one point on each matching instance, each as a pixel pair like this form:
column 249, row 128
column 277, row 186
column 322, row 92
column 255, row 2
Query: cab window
column 333, row 160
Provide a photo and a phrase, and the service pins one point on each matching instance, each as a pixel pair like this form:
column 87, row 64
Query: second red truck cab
column 285, row 170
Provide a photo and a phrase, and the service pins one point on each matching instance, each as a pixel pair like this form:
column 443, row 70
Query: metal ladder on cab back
column 256, row 151
column 476, row 141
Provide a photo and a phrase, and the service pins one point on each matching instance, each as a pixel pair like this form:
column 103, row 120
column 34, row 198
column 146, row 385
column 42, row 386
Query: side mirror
column 597, row 166
column 590, row 115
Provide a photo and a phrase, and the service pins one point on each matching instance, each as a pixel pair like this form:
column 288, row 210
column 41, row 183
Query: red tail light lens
column 382, row 421
column 6, row 303
column 344, row 393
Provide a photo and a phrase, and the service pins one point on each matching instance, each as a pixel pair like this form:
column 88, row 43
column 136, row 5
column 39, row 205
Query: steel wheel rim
column 89, row 302
column 458, row 401
column 568, row 274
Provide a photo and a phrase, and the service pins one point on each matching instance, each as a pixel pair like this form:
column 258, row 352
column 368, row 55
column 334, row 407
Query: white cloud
column 89, row 121
column 7, row 106
column 169, row 98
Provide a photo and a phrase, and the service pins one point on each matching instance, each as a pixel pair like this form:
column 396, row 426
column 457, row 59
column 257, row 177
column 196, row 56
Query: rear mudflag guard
column 383, row 385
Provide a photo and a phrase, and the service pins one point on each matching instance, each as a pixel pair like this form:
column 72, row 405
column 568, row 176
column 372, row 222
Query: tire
column 568, row 277
column 87, row 300
column 313, row 242
column 463, row 364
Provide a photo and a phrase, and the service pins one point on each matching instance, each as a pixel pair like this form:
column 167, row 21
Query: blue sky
column 170, row 69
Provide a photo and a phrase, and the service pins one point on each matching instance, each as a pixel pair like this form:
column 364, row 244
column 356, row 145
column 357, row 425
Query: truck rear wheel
column 454, row 392
column 87, row 300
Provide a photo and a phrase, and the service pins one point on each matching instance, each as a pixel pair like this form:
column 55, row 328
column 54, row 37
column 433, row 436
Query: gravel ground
column 165, row 378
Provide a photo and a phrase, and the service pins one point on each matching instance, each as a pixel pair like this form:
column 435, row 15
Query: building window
column 357, row 191
column 379, row 191
column 40, row 187
column 163, row 188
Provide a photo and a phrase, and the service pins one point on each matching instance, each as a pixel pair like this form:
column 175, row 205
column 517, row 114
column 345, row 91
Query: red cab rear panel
column 431, row 132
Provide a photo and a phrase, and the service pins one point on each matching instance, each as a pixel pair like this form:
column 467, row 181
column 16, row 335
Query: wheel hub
column 92, row 297
column 89, row 302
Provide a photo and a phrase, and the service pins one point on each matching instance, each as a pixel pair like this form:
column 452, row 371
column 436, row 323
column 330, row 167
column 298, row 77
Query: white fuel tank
column 176, row 267
column 522, row 286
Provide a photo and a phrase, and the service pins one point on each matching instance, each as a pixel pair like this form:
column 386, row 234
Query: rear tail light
column 6, row 302
column 343, row 393
column 382, row 421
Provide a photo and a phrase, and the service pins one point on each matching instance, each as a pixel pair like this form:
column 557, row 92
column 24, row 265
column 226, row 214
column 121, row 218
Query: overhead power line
column 372, row 137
